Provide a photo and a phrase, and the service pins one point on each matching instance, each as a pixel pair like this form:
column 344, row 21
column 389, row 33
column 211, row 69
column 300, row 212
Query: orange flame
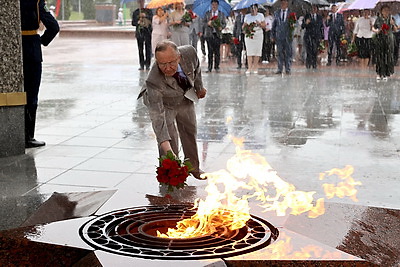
column 226, row 205
column 342, row 189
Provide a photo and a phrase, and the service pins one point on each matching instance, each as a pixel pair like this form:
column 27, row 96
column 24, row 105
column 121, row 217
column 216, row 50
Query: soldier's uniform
column 32, row 12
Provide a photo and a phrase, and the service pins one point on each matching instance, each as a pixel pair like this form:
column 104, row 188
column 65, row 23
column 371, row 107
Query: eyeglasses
column 166, row 64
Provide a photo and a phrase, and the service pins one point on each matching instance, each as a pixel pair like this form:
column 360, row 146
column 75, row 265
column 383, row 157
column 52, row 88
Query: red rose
column 214, row 17
column 173, row 171
column 385, row 28
column 236, row 41
column 174, row 181
column 167, row 163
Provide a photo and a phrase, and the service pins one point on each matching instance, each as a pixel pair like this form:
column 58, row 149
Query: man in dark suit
column 171, row 88
column 313, row 35
column 32, row 12
column 239, row 34
column 141, row 18
column 282, row 35
column 212, row 34
column 335, row 22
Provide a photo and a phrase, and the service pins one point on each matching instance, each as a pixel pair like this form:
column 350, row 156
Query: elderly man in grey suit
column 281, row 35
column 173, row 85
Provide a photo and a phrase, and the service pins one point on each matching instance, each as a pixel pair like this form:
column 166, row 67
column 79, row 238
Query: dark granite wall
column 11, row 116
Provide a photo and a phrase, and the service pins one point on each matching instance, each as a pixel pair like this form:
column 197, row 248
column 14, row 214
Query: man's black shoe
column 278, row 72
column 329, row 63
column 197, row 175
column 238, row 67
column 34, row 143
column 288, row 72
column 141, row 68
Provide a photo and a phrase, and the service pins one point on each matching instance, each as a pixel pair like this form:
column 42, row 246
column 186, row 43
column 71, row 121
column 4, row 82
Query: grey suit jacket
column 280, row 29
column 162, row 92
column 237, row 28
column 207, row 30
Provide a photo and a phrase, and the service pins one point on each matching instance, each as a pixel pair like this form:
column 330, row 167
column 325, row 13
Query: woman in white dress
column 254, row 43
column 179, row 29
column 160, row 28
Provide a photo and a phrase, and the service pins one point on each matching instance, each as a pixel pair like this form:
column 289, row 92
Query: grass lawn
column 76, row 16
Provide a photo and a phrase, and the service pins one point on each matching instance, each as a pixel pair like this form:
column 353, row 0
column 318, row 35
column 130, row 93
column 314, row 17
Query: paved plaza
column 99, row 136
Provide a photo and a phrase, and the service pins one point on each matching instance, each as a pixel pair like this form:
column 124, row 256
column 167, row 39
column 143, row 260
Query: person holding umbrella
column 213, row 23
column 362, row 37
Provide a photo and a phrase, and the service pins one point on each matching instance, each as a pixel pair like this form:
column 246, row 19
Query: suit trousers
column 284, row 49
column 396, row 47
column 213, row 47
column 334, row 40
column 181, row 124
column 312, row 44
column 240, row 47
column 144, row 43
column 193, row 39
column 32, row 77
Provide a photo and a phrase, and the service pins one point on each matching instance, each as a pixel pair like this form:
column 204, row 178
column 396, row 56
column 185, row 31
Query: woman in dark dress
column 384, row 27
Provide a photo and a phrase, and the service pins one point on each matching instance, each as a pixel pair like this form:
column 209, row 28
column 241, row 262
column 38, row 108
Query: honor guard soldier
column 32, row 13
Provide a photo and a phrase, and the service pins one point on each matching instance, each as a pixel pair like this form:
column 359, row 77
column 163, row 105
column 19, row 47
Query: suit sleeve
column 223, row 21
column 50, row 22
column 198, row 81
column 152, row 98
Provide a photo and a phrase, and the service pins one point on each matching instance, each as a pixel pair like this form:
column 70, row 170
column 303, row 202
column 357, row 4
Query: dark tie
column 182, row 81
column 283, row 15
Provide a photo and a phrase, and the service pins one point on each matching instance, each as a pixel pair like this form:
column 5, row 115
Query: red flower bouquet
column 385, row 28
column 236, row 41
column 249, row 30
column 172, row 171
column 292, row 19
column 216, row 23
column 188, row 16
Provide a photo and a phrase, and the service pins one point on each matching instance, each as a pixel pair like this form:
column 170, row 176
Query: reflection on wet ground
column 99, row 136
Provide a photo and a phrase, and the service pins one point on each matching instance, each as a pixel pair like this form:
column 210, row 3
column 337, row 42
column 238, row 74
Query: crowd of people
column 257, row 36
column 174, row 82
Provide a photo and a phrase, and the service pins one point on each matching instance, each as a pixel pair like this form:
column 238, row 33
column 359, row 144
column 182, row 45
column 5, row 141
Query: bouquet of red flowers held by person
column 249, row 30
column 173, row 171
column 385, row 28
column 189, row 16
column 216, row 23
column 292, row 19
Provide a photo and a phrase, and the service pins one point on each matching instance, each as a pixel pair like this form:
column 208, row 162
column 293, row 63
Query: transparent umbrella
column 247, row 3
column 200, row 7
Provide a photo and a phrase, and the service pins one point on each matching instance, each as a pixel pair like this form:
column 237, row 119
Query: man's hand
column 201, row 93
column 166, row 146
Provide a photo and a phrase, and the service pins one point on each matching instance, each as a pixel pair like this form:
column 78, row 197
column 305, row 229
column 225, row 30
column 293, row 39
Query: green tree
column 88, row 9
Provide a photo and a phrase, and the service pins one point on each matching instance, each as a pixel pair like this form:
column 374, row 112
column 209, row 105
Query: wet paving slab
column 99, row 139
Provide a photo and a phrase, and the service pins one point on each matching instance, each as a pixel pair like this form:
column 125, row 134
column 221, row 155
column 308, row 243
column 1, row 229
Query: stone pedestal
column 12, row 97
